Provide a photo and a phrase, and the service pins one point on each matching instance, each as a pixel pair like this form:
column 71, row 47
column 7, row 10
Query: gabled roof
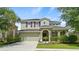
column 54, row 27
column 25, row 20
column 45, row 19
column 35, row 19
column 54, row 22
column 51, row 22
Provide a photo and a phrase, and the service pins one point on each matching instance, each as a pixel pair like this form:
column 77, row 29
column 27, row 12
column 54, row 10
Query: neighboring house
column 36, row 29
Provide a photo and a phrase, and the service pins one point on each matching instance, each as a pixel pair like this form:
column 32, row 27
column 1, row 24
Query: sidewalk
column 45, row 49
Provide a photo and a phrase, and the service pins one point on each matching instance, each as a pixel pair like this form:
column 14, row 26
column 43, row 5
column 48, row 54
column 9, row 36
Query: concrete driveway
column 21, row 46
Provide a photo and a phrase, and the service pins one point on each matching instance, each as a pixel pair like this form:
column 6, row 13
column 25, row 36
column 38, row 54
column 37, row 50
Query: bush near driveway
column 10, row 39
column 2, row 43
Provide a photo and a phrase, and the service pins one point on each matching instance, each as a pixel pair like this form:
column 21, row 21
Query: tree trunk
column 3, row 36
column 6, row 33
column 14, row 33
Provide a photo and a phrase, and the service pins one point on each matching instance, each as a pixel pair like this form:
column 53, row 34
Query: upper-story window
column 39, row 24
column 26, row 24
column 34, row 24
column 44, row 22
column 31, row 24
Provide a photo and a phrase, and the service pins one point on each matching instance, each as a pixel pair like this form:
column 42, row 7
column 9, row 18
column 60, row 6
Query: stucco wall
column 46, row 22
column 43, row 22
column 23, row 25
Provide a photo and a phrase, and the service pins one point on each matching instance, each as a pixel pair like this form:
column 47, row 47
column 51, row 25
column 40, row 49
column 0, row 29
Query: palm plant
column 7, row 21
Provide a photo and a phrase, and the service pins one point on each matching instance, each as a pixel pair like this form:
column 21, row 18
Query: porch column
column 58, row 33
column 41, row 36
column 67, row 34
column 49, row 36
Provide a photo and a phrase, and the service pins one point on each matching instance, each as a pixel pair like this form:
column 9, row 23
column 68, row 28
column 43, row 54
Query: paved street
column 21, row 46
column 46, row 49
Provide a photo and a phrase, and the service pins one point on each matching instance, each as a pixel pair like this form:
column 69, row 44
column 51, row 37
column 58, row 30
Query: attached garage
column 31, row 36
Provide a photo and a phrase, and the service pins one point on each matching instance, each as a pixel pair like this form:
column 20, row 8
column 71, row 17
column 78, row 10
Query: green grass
column 59, row 46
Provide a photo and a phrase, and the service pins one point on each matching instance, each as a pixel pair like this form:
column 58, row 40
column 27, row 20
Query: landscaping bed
column 10, row 40
column 62, row 42
column 58, row 46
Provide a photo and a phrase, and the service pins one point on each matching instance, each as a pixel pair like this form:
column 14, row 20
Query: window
column 54, row 33
column 26, row 24
column 34, row 24
column 31, row 24
column 50, row 24
column 44, row 22
column 63, row 33
column 39, row 24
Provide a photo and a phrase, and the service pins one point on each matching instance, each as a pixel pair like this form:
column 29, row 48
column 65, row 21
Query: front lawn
column 59, row 46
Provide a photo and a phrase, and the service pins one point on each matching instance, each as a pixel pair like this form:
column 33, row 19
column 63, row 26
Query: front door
column 45, row 35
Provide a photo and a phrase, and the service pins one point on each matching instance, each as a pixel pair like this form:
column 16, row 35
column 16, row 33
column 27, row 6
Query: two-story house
column 36, row 29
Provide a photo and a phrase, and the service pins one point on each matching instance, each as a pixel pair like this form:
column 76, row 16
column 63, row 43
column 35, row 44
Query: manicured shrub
column 72, row 39
column 1, row 43
column 63, row 39
column 17, row 38
column 45, row 38
column 11, row 39
column 54, row 38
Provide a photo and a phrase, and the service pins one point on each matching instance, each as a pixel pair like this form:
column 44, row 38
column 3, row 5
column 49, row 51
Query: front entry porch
column 46, row 34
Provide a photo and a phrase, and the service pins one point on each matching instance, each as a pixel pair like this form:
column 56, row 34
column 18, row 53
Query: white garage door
column 32, row 37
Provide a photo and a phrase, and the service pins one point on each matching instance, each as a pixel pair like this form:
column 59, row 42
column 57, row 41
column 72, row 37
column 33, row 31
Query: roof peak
column 45, row 18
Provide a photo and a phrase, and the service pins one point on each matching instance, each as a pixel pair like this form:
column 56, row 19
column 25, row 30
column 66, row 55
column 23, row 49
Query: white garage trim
column 30, row 36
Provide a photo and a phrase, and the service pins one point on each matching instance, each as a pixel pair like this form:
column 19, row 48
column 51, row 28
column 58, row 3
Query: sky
column 38, row 12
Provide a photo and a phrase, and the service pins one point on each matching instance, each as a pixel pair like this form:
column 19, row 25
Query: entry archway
column 45, row 35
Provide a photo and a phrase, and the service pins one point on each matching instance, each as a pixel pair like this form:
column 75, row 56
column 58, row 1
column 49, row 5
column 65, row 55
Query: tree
column 71, row 16
column 4, row 26
column 7, row 20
